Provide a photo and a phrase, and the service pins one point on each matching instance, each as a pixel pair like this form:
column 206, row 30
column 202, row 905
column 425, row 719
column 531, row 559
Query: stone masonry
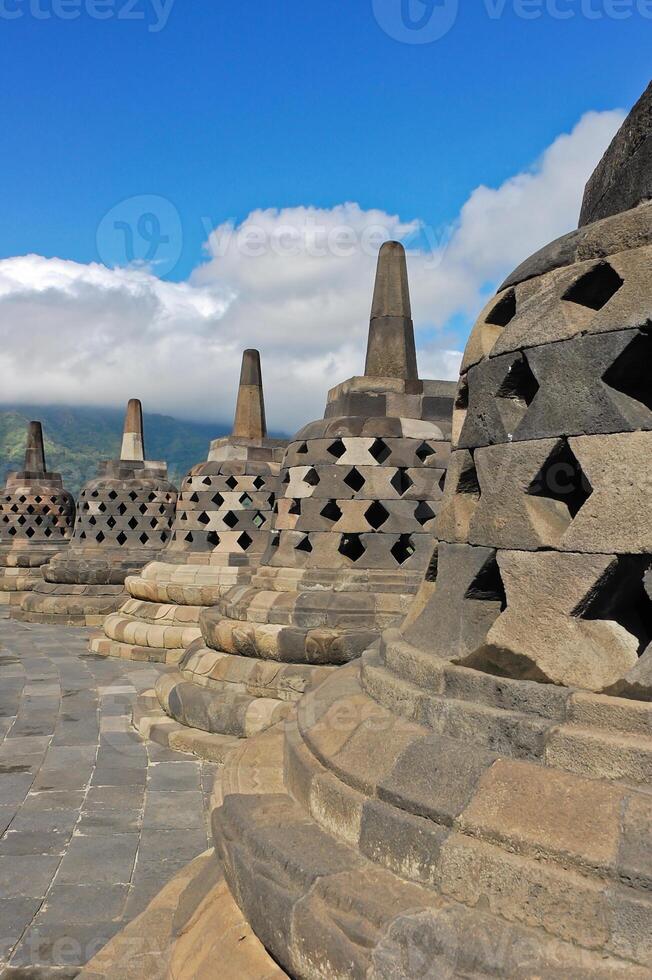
column 36, row 520
column 221, row 529
column 472, row 796
column 352, row 537
column 124, row 518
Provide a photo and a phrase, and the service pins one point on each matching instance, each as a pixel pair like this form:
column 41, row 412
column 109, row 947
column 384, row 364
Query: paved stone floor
column 92, row 821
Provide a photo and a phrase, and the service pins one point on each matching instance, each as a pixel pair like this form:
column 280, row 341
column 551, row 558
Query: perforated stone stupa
column 472, row 797
column 124, row 518
column 352, row 537
column 221, row 529
column 36, row 520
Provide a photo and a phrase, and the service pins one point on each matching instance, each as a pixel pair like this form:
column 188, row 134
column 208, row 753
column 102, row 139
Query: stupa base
column 152, row 724
column 68, row 605
column 16, row 583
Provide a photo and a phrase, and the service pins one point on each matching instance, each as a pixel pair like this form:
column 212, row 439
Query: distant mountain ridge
column 77, row 438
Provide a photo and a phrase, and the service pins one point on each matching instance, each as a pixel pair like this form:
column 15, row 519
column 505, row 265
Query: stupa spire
column 133, row 441
column 249, row 422
column 35, row 452
column 391, row 352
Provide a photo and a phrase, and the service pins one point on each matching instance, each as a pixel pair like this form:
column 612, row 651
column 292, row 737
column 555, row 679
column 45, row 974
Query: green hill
column 76, row 439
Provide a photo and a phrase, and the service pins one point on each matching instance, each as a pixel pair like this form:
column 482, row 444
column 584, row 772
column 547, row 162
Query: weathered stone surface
column 623, row 178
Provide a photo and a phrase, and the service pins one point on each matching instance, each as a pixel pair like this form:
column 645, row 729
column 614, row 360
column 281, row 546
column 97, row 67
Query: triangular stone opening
column 488, row 586
column 519, row 383
column 620, row 596
column 503, row 311
column 304, row 545
column 595, row 288
column 433, row 567
column 631, row 372
column 562, row 479
column 311, row 477
column 468, row 482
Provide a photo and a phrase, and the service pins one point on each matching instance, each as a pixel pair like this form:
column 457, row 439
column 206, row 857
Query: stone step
column 165, row 633
column 602, row 755
column 101, row 646
column 191, row 585
column 226, row 711
column 151, row 722
column 482, row 909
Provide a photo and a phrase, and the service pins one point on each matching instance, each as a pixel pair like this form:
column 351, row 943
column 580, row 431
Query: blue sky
column 204, row 112
column 238, row 105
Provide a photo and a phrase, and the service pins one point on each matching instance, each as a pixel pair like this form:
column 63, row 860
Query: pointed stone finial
column 391, row 352
column 133, row 442
column 35, row 451
column 623, row 178
column 249, row 422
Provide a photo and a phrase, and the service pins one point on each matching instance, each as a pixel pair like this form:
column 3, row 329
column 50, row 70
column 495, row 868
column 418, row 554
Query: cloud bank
column 295, row 282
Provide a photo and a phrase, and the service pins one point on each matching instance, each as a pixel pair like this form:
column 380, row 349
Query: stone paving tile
column 93, row 822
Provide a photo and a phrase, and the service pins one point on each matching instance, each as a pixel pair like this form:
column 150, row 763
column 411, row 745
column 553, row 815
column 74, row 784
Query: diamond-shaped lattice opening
column 286, row 478
column 37, row 500
column 336, row 449
column 351, row 547
column 425, row 451
column 275, row 540
column 95, row 493
column 302, row 449
column 376, row 515
column 30, row 509
column 83, row 535
column 380, row 451
column 207, row 481
column 401, row 482
column 22, row 519
column 259, row 483
column 194, row 498
column 48, row 532
column 230, row 519
column 620, row 596
column 6, row 519
column 332, row 511
column 402, row 549
column 258, row 520
column 153, row 523
column 30, row 532
column 203, row 518
column 231, row 483
column 245, row 541
column 164, row 536
column 294, row 508
column 218, row 499
column 487, row 586
column 355, row 480
column 112, row 495
column 102, row 508
column 468, row 482
column 562, row 481
column 14, row 509
column 442, row 482
column 133, row 523
column 630, row 372
column 12, row 531
column 245, row 500
column 99, row 537
column 304, row 545
column 144, row 538
column 424, row 513
column 311, row 477
column 122, row 509
column 133, row 495
column 111, row 522
column 504, row 311
column 189, row 538
column 213, row 538
column 519, row 383
column 143, row 508
column 122, row 538
column 595, row 288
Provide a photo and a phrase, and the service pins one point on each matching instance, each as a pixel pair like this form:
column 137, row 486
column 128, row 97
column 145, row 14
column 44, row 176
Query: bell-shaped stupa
column 124, row 518
column 221, row 529
column 352, row 537
column 36, row 520
column 473, row 797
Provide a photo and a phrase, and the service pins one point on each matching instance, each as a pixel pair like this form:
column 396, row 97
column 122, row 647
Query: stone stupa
column 352, row 538
column 221, row 530
column 124, row 518
column 37, row 516
column 472, row 798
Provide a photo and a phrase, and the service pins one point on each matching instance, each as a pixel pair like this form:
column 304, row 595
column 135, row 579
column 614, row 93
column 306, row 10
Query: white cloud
column 294, row 282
